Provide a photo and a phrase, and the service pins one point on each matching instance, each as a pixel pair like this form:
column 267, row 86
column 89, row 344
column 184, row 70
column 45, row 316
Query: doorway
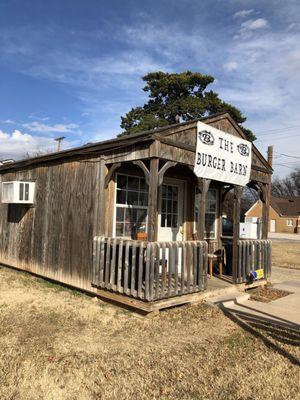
column 171, row 211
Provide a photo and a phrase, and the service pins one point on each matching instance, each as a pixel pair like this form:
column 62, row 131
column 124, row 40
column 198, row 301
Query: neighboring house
column 284, row 214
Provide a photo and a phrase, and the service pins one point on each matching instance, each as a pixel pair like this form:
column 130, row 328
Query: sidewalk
column 281, row 237
column 283, row 311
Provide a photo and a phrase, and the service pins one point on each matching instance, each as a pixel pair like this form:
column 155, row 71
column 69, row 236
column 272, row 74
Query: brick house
column 284, row 214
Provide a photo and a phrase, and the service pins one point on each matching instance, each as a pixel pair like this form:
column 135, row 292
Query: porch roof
column 112, row 145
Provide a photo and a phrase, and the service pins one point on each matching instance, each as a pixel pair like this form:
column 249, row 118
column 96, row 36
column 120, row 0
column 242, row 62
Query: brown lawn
column 60, row 344
column 286, row 254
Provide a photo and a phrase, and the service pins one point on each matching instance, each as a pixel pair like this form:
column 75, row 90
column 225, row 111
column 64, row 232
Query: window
column 289, row 222
column 210, row 213
column 169, row 206
column 131, row 205
column 24, row 191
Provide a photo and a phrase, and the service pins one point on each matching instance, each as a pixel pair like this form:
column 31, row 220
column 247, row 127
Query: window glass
column 169, row 206
column 131, row 205
column 21, row 194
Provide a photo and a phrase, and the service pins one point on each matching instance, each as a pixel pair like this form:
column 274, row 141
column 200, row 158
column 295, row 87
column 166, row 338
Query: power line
column 278, row 138
column 284, row 165
column 287, row 155
column 278, row 129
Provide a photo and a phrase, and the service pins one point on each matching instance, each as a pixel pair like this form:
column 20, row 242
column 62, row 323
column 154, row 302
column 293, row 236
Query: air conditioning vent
column 18, row 192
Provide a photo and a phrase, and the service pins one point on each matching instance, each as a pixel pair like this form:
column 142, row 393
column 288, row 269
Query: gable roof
column 128, row 140
column 286, row 206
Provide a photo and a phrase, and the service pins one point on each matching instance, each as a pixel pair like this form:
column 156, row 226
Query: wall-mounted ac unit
column 18, row 192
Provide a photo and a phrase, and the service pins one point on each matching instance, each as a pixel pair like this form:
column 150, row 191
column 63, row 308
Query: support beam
column 153, row 201
column 238, row 191
column 265, row 210
column 203, row 186
column 110, row 173
column 163, row 169
column 142, row 165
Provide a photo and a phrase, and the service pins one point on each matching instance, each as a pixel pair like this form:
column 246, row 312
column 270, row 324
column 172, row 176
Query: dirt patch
column 62, row 345
column 286, row 254
column 267, row 293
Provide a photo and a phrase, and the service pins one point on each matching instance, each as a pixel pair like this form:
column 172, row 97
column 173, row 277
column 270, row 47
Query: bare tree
column 289, row 186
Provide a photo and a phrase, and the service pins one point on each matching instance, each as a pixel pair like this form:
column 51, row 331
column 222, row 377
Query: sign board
column 221, row 156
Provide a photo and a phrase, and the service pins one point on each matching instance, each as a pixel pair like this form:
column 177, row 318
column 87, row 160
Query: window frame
column 289, row 222
column 126, row 206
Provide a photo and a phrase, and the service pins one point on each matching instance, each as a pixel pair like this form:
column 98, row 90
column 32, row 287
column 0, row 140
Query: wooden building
column 128, row 216
column 284, row 214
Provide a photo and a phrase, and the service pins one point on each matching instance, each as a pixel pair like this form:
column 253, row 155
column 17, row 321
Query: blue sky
column 72, row 68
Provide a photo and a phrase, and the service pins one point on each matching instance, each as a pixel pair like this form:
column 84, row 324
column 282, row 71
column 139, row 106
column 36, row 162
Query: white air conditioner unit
column 18, row 192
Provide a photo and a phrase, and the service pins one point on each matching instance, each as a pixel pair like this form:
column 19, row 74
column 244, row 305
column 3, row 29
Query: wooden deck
column 153, row 275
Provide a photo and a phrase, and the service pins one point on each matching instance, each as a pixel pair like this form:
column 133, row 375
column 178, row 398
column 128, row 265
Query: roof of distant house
column 286, row 206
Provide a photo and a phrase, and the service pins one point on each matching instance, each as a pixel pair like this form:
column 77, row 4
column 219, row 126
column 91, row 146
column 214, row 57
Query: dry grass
column 267, row 293
column 286, row 254
column 58, row 344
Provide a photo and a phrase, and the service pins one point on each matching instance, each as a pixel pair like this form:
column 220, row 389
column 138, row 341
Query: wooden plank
column 184, row 268
column 119, row 268
column 102, row 245
column 188, row 266
column 150, row 260
column 140, row 270
column 112, row 284
column 126, row 267
column 239, row 272
column 133, row 271
column 107, row 264
column 176, row 256
column 156, row 266
column 151, row 272
column 163, row 269
column 171, row 267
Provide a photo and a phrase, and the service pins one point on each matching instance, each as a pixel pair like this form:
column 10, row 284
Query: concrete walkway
column 282, row 237
column 284, row 311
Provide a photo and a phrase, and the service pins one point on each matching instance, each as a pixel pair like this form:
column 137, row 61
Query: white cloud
column 36, row 126
column 243, row 13
column 253, row 24
column 17, row 144
column 8, row 121
column 33, row 116
column 231, row 66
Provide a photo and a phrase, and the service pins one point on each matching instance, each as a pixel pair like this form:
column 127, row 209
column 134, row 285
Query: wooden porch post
column 265, row 198
column 238, row 190
column 203, row 186
column 99, row 224
column 153, row 201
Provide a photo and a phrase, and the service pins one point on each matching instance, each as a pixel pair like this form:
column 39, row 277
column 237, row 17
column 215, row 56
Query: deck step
column 229, row 298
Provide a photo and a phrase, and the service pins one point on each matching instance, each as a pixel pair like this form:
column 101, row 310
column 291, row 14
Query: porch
column 157, row 223
column 168, row 273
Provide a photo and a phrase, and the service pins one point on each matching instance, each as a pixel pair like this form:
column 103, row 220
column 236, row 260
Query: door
column 272, row 225
column 170, row 212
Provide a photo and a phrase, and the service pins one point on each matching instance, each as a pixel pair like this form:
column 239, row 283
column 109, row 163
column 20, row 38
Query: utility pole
column 270, row 155
column 59, row 140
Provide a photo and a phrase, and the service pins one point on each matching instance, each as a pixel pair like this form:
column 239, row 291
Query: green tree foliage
column 173, row 96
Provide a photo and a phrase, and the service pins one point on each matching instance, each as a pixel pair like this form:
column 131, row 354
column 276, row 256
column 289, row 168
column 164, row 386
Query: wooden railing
column 253, row 255
column 149, row 270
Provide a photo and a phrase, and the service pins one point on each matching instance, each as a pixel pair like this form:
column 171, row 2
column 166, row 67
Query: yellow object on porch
column 260, row 273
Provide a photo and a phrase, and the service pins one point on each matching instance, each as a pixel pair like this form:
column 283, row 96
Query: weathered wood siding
column 54, row 238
